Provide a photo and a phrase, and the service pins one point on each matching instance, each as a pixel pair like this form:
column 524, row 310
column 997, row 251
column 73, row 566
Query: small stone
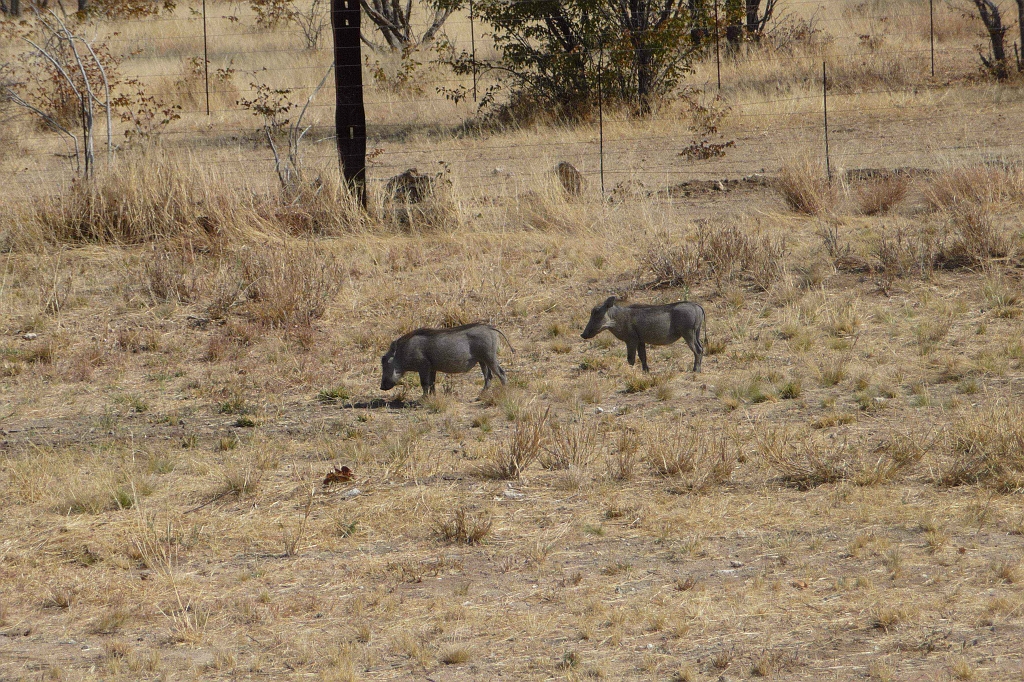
column 349, row 494
column 511, row 494
column 736, row 564
column 30, row 336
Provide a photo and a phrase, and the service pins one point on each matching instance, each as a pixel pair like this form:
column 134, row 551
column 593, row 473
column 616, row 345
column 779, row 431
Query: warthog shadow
column 380, row 403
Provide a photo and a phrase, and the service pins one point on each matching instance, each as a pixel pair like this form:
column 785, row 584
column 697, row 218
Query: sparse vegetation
column 188, row 345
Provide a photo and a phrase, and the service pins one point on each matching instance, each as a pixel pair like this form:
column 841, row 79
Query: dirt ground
column 164, row 515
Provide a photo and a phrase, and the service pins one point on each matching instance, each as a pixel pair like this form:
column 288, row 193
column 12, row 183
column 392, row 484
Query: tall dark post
column 824, row 97
column 349, row 114
column 600, row 113
column 931, row 31
column 206, row 62
column 472, row 47
column 718, row 56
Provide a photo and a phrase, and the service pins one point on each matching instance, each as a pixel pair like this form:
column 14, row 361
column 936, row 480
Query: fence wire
column 413, row 124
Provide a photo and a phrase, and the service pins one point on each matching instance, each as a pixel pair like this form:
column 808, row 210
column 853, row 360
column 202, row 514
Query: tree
column 395, row 23
column 990, row 15
column 747, row 18
column 1020, row 25
column 758, row 18
column 647, row 59
column 555, row 54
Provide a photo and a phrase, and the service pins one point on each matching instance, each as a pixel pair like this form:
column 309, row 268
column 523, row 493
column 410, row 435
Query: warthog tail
column 507, row 342
column 704, row 322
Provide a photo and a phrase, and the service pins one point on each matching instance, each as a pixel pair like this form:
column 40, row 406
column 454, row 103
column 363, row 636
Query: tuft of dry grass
column 882, row 195
column 464, row 525
column 142, row 198
column 722, row 253
column 570, row 446
column 700, row 458
column 975, row 184
column 522, row 448
column 986, row 449
column 805, row 188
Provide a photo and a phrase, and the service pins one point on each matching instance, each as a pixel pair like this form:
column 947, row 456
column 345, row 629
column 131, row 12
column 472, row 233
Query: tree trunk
column 1020, row 24
column 993, row 20
column 734, row 23
column 349, row 113
column 753, row 21
column 698, row 21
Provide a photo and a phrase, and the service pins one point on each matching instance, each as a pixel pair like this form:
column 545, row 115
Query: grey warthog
column 657, row 325
column 452, row 351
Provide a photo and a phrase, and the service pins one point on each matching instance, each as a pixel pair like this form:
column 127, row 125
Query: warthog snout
column 599, row 319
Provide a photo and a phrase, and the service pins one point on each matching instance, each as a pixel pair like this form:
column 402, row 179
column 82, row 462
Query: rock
column 736, row 564
column 410, row 187
column 511, row 494
column 349, row 494
column 30, row 336
column 571, row 179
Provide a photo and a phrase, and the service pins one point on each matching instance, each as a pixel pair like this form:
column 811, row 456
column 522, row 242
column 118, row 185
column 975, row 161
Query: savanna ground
column 836, row 496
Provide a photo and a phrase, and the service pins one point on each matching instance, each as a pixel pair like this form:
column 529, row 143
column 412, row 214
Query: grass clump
column 700, row 458
column 881, row 195
column 986, row 449
column 332, row 396
column 570, row 446
column 463, row 525
column 805, row 188
column 521, row 449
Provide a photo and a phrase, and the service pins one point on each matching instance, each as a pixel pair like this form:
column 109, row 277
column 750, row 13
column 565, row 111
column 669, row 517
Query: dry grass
column 806, row 189
column 986, row 449
column 522, row 448
column 462, row 525
column 882, row 195
column 187, row 348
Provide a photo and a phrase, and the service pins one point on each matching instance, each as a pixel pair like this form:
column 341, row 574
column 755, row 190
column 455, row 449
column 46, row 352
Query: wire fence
column 884, row 106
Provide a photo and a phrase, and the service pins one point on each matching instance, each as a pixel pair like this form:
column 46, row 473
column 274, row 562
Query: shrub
column 881, row 195
column 521, row 449
column 463, row 525
column 288, row 285
column 986, row 449
column 550, row 52
column 805, row 188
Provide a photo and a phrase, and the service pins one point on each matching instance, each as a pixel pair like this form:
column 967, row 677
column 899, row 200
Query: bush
column 554, row 53
column 720, row 253
column 987, row 449
column 288, row 285
column 805, row 189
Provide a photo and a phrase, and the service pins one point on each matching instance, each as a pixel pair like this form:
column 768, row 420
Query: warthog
column 657, row 325
column 452, row 351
